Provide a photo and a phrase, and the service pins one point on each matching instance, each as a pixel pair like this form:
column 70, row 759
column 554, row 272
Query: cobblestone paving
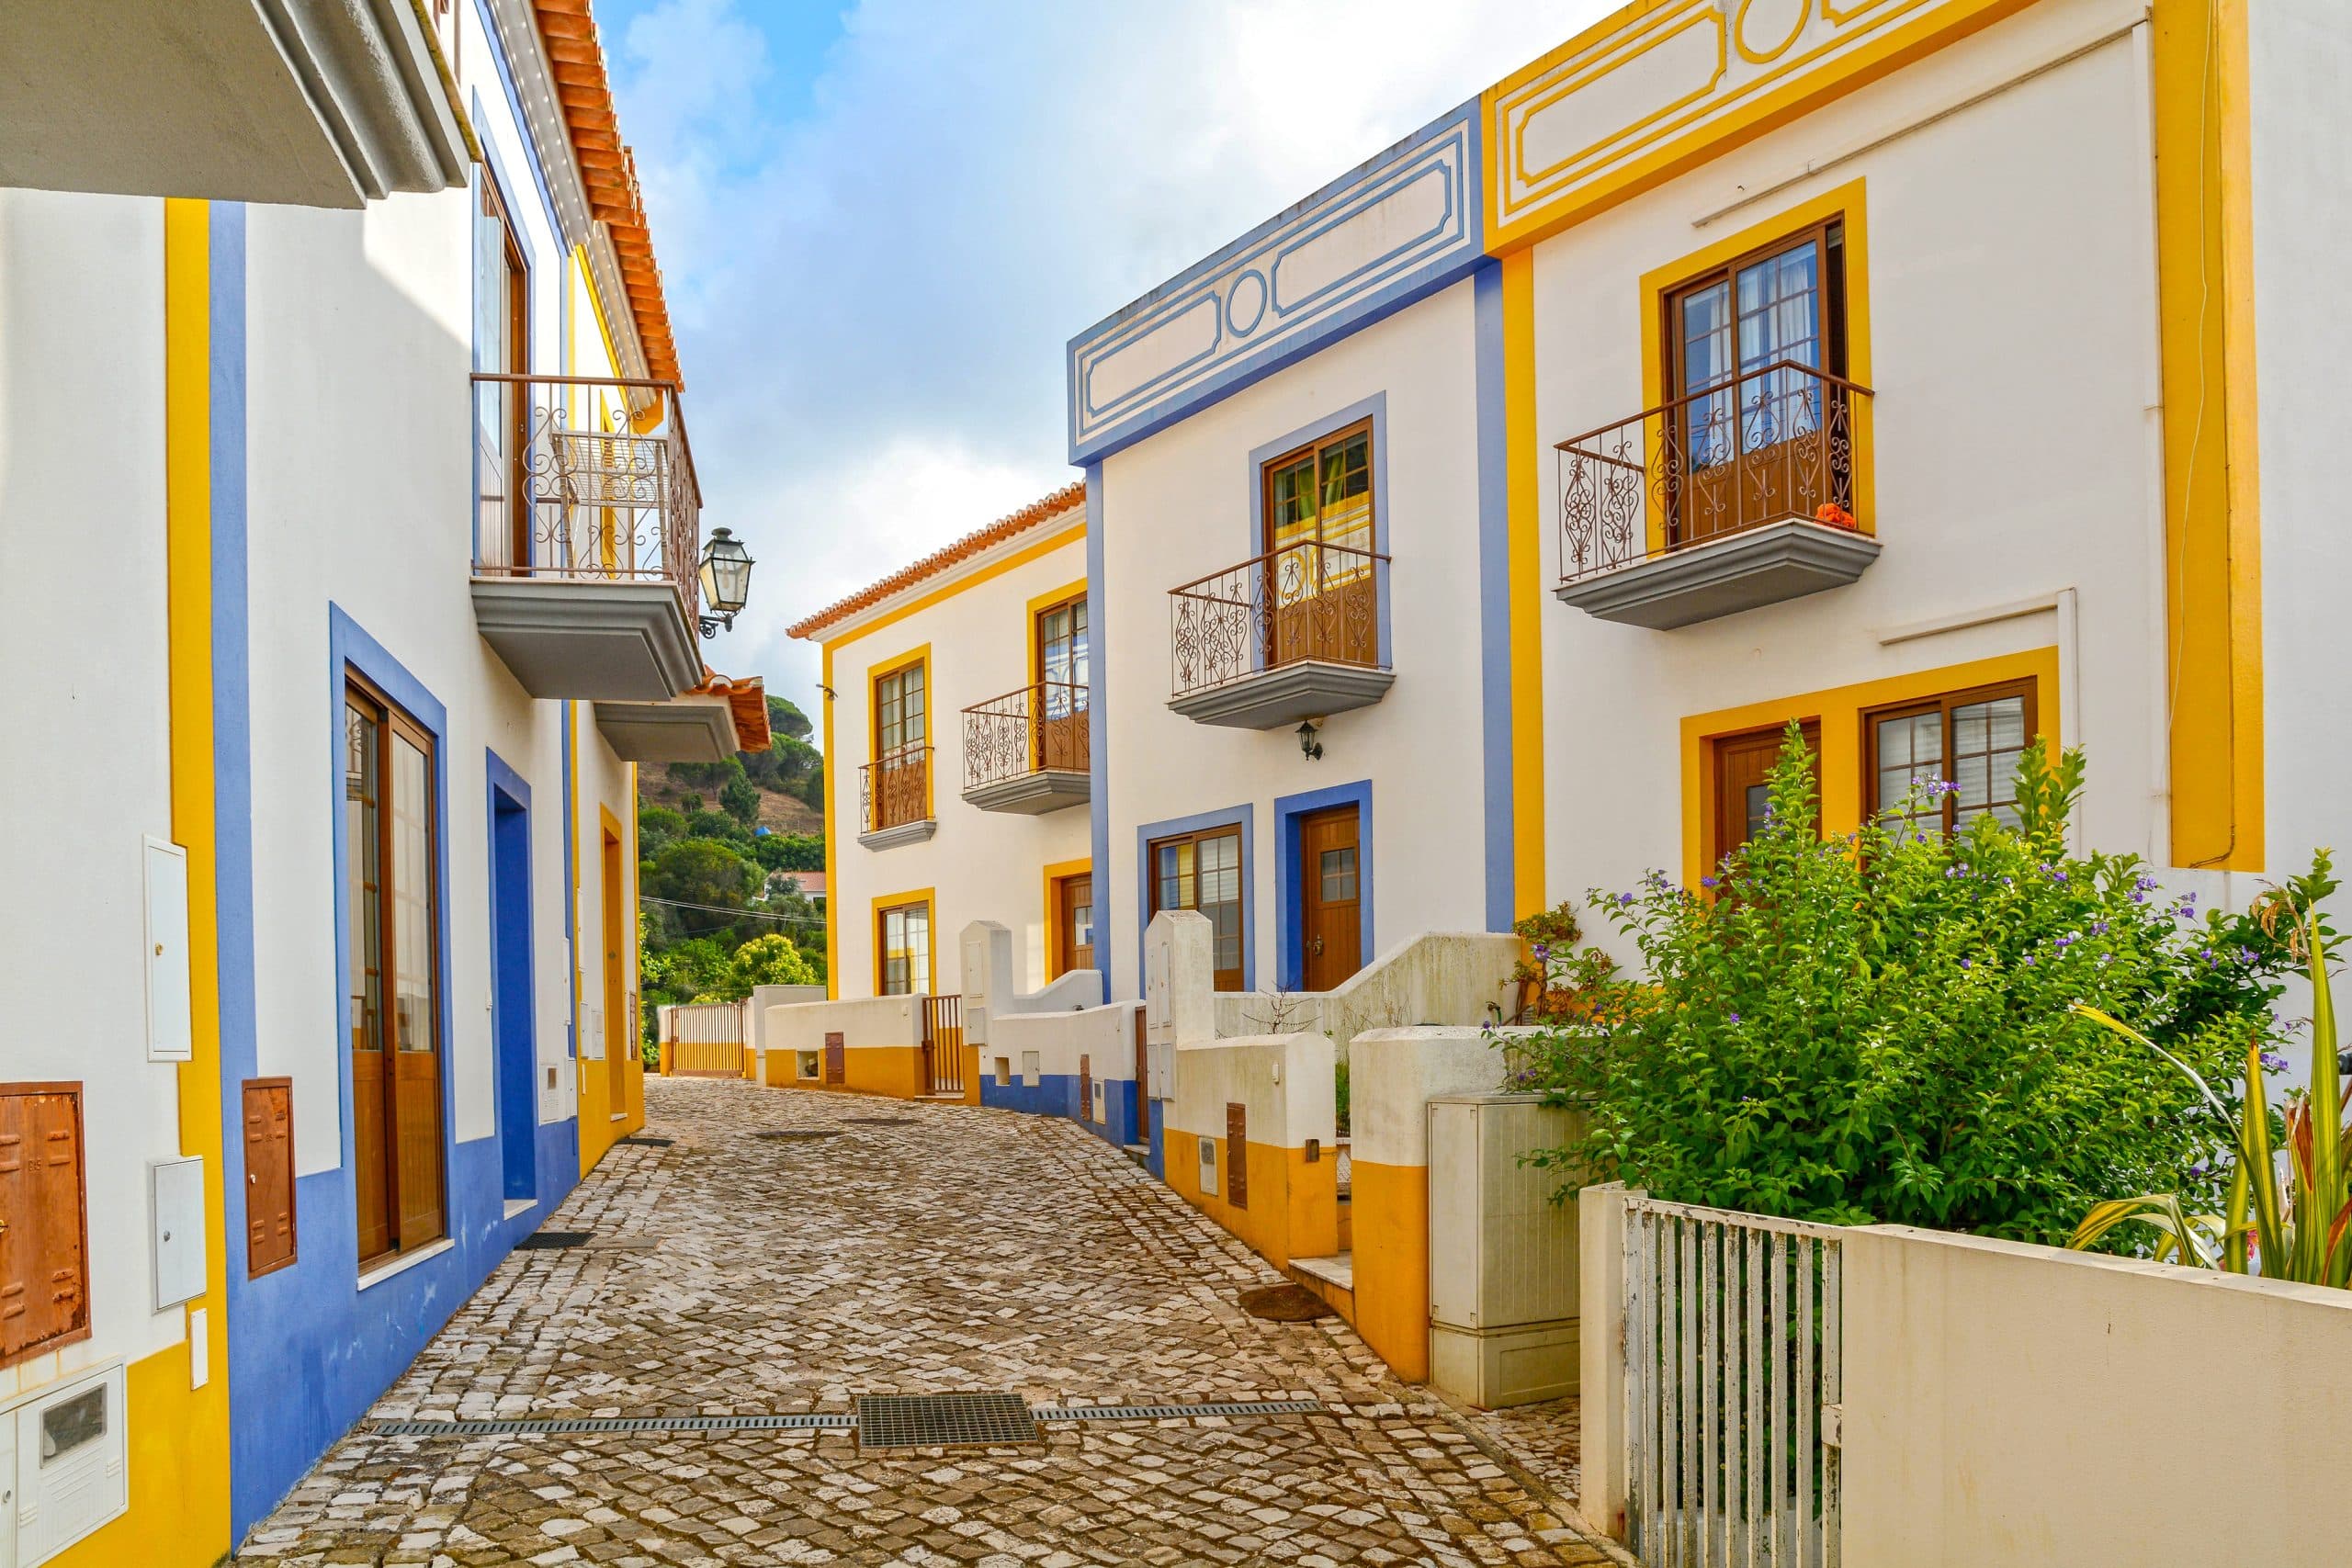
column 960, row 1250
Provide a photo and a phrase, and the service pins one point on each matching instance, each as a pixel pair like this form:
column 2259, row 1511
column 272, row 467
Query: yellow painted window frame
column 1056, row 874
column 1844, row 204
column 1839, row 710
column 878, row 673
column 1043, row 604
column 927, row 899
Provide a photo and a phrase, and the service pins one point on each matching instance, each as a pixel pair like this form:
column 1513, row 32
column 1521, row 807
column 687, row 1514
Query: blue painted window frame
column 1241, row 817
column 352, row 651
column 1374, row 409
column 1290, row 892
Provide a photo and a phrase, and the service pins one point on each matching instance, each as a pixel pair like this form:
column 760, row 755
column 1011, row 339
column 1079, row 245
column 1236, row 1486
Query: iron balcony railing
column 895, row 789
column 585, row 478
column 1308, row 601
column 1771, row 444
column 1041, row 728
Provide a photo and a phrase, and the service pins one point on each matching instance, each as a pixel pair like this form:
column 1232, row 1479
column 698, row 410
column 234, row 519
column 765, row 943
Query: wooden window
column 394, row 911
column 902, row 949
column 502, row 345
column 1203, row 872
column 44, row 1225
column 1970, row 740
column 1062, row 671
column 1740, row 789
column 1758, row 434
column 901, row 776
column 1320, row 543
column 269, row 1174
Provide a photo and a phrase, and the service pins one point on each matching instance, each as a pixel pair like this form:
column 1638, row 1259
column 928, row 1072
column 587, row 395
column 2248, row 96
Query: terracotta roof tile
column 1030, row 516
column 747, row 701
column 608, row 171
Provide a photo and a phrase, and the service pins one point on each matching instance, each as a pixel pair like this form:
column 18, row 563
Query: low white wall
column 1438, row 977
column 2014, row 1403
column 1286, row 1080
column 2005, row 1403
column 1078, row 988
column 1106, row 1035
column 1393, row 1074
column 870, row 1021
column 702, row 1023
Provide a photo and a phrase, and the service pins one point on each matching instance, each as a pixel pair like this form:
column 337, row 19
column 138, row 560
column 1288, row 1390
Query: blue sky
column 880, row 222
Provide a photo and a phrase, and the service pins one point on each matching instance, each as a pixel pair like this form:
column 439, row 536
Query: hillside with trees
column 722, row 848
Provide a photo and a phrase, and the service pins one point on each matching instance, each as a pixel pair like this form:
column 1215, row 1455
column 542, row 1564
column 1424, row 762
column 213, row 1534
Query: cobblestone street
column 918, row 1248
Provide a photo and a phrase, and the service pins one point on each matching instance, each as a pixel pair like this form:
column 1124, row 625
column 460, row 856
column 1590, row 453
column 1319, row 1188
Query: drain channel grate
column 945, row 1421
column 883, row 1120
column 588, row 1424
column 1179, row 1412
column 548, row 1241
column 640, row 1142
column 881, row 1421
column 792, row 1135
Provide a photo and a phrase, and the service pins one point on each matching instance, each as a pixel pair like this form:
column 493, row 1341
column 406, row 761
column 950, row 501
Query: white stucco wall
column 1177, row 507
column 2011, row 306
column 981, row 865
column 2300, row 56
column 83, row 631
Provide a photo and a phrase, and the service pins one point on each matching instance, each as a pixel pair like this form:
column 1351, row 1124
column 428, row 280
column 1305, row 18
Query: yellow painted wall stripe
column 1523, row 481
column 2213, row 542
column 833, row 836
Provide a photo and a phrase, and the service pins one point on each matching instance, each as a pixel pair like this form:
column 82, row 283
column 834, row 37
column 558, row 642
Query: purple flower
column 1543, row 950
column 2098, row 928
column 1706, row 881
column 1968, row 964
column 1624, row 900
column 2064, row 941
column 1734, row 1017
column 2029, row 958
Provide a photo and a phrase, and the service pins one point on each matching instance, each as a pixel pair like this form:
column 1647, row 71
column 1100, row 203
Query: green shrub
column 1882, row 1027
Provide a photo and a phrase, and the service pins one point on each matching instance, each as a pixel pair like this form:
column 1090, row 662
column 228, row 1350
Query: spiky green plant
column 2297, row 1233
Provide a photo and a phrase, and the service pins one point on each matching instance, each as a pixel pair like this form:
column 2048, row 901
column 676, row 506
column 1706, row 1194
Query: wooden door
column 1059, row 700
column 1075, row 940
column 1319, row 586
column 44, row 1236
column 269, row 1174
column 836, row 1061
column 413, row 961
column 1143, row 1082
column 371, row 1117
column 1742, row 762
column 1236, row 1155
column 1331, row 906
column 619, row 1042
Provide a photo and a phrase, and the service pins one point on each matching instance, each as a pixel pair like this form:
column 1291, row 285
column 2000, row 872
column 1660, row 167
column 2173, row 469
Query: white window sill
column 519, row 1206
column 617, row 1116
column 403, row 1263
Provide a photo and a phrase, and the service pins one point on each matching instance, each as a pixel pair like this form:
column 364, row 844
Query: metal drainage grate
column 548, row 1241
column 792, row 1136
column 945, row 1420
column 641, row 1142
column 582, row 1424
column 883, row 1120
column 1179, row 1412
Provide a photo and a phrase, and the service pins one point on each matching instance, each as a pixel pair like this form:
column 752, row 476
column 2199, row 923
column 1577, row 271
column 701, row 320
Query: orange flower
column 1834, row 515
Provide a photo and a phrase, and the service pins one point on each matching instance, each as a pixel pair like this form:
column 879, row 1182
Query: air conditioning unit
column 69, row 1470
column 1503, row 1312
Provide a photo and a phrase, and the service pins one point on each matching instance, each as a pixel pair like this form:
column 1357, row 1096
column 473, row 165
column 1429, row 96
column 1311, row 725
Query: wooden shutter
column 269, row 1174
column 1086, row 1088
column 1236, row 1156
column 836, row 1061
column 44, row 1250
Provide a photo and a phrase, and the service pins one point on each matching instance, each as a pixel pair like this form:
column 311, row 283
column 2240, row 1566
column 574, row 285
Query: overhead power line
column 735, row 914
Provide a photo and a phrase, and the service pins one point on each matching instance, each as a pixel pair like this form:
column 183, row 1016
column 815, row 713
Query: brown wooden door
column 269, row 1174
column 1331, row 906
column 619, row 1042
column 44, row 1277
column 1075, row 942
column 371, row 1118
column 836, row 1061
column 1742, row 762
column 1236, row 1155
column 1143, row 1082
column 417, row 1023
column 1060, row 696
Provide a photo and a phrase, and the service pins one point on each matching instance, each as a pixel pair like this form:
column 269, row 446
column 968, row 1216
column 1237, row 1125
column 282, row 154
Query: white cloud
column 873, row 287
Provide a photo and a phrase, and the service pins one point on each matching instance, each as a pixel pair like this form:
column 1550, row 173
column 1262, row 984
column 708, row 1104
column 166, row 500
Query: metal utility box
column 1502, row 1254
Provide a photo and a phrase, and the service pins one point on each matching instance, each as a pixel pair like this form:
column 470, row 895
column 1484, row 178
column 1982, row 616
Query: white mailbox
column 175, row 1202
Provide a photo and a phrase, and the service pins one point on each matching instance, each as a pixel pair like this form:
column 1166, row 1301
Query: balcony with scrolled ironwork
column 1298, row 632
column 894, row 799
column 1028, row 750
column 1736, row 496
column 587, row 529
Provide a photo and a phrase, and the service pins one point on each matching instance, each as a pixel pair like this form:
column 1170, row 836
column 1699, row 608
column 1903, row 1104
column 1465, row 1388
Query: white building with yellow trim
column 958, row 740
column 354, row 542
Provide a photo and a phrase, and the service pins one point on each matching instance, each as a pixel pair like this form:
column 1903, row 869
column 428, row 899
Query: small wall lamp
column 726, row 579
column 1308, row 746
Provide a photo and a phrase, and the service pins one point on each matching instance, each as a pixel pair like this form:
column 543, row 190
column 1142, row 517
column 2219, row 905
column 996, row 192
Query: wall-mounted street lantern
column 726, row 579
column 1308, row 746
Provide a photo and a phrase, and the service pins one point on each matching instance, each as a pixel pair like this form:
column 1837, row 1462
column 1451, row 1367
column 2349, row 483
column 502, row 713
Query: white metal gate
column 1731, row 1388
